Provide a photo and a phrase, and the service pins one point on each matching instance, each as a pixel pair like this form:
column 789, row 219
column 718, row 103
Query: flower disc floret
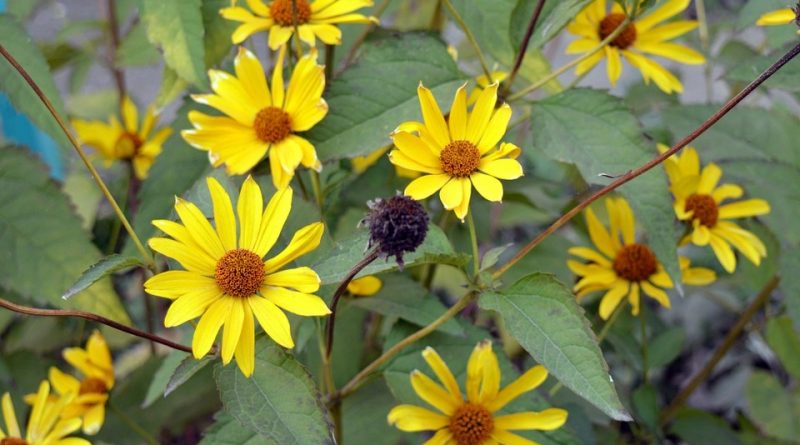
column 610, row 24
column 471, row 424
column 460, row 159
column 282, row 11
column 704, row 209
column 272, row 124
column 635, row 262
column 240, row 273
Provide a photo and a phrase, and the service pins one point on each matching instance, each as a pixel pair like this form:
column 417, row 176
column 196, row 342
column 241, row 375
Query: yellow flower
column 365, row 286
column 257, row 122
column 621, row 267
column 459, row 153
column 643, row 35
column 699, row 201
column 314, row 20
column 360, row 164
column 114, row 141
column 226, row 281
column 44, row 425
column 474, row 420
column 783, row 16
column 482, row 82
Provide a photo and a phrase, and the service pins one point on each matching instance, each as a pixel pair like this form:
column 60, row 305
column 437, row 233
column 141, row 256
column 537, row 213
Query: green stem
column 471, row 37
column 317, row 188
column 473, row 237
column 298, row 47
column 643, row 325
column 705, row 44
column 135, row 427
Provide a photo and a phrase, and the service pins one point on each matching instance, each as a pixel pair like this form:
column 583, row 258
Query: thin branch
column 148, row 259
column 627, row 177
column 523, row 48
column 92, row 317
column 730, row 339
column 119, row 76
column 470, row 36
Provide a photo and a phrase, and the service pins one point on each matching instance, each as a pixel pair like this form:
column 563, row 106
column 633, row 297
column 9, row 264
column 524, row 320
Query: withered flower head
column 396, row 225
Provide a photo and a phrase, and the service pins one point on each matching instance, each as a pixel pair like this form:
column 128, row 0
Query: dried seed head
column 396, row 225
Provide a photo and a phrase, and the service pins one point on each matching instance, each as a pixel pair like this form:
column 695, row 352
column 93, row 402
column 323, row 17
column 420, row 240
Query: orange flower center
column 471, row 425
column 93, row 385
column 13, row 441
column 272, row 125
column 610, row 24
column 127, row 145
column 460, row 158
column 283, row 14
column 704, row 207
column 635, row 262
column 240, row 273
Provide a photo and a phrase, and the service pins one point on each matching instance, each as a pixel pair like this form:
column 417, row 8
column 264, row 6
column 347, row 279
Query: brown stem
column 730, row 339
column 93, row 317
column 627, row 177
column 119, row 76
column 523, row 47
column 372, row 256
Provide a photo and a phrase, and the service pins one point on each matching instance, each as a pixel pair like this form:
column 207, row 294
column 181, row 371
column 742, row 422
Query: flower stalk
column 523, row 48
column 470, row 37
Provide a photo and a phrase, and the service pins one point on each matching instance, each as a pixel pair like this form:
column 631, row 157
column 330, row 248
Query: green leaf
column 96, row 272
column 218, row 30
column 160, row 379
column 775, row 409
column 185, row 371
column 42, row 245
column 790, row 284
column 554, row 17
column 177, row 27
column 645, row 404
column 666, row 347
column 364, row 416
column 697, row 427
column 787, row 78
column 595, row 131
column 337, row 263
column 171, row 87
column 135, row 49
column 280, row 401
column 16, row 41
column 228, row 431
column 372, row 97
column 784, row 340
column 407, row 299
column 542, row 314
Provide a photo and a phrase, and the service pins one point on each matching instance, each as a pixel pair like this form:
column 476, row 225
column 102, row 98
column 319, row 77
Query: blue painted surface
column 17, row 128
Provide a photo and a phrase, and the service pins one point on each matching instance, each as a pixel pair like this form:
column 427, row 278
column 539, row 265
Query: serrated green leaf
column 42, row 245
column 16, row 41
column 176, row 26
column 101, row 269
column 785, row 341
column 280, row 401
column 775, row 409
column 372, row 97
column 228, row 431
column 595, row 131
column 135, row 49
column 337, row 263
column 542, row 314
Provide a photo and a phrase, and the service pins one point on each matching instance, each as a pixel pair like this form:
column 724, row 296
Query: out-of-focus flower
column 779, row 17
column 365, row 286
column 45, row 425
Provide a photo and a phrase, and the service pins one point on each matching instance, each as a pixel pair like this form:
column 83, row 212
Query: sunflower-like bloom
column 622, row 267
column 315, row 20
column 699, row 201
column 129, row 141
column 95, row 364
column 779, row 17
column 642, row 35
column 227, row 281
column 473, row 420
column 259, row 122
column 45, row 427
column 458, row 153
column 365, row 286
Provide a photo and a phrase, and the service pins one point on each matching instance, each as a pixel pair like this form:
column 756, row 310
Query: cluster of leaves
column 51, row 232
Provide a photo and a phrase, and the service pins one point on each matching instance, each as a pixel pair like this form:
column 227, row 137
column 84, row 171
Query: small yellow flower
column 258, row 122
column 699, row 201
column 622, row 267
column 458, row 153
column 365, row 286
column 474, row 420
column 643, row 35
column 783, row 16
column 315, row 20
column 227, row 281
column 45, row 427
column 115, row 141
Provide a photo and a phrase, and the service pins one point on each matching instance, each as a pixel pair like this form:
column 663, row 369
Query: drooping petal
column 612, row 298
column 433, row 394
column 425, row 186
column 304, row 240
column 656, row 294
column 272, row 320
column 490, row 188
column 232, row 330
column 206, row 331
column 190, row 306
column 302, row 279
column 528, row 381
column 295, row 302
column 245, row 349
column 414, row 418
column 547, row 420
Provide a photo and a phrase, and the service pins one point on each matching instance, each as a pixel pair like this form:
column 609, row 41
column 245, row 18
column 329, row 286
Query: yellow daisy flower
column 699, row 201
column 258, row 122
column 315, row 20
column 365, row 286
column 473, row 420
column 622, row 267
column 227, row 282
column 360, row 164
column 458, row 153
column 643, row 35
column 783, row 16
column 129, row 141
column 44, row 425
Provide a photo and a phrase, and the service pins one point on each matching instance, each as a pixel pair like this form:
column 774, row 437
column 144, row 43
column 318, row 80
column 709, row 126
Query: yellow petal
column 130, row 115
column 450, row 194
column 277, row 79
column 295, row 302
column 206, row 331
column 490, row 385
column 667, row 10
column 458, row 115
column 249, row 209
column 302, row 279
column 656, row 294
column 589, row 254
column 275, row 215
column 365, row 286
column 245, row 349
column 413, row 418
column 251, row 75
column 599, row 235
column 612, row 298
column 475, row 370
column 502, row 168
column 174, row 283
column 224, row 220
column 672, row 51
column 272, row 320
column 432, row 115
column 780, row 17
column 304, row 240
column 199, row 228
column 93, row 420
column 279, row 35
column 481, row 114
column 744, row 209
column 416, row 149
column 527, row 382
column 613, row 64
column 442, row 372
column 506, row 438
column 433, row 394
column 10, row 417
column 188, row 257
column 547, row 420
column 490, row 188
column 190, row 306
column 402, row 160
column 724, row 253
column 668, row 31
column 442, row 437
column 496, row 129
column 232, row 330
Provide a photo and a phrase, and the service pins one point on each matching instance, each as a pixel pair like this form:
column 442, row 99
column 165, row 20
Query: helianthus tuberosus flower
column 779, row 17
column 129, row 141
column 459, row 153
column 45, row 426
column 472, row 418
column 699, row 201
column 314, row 19
column 365, row 286
column 621, row 267
column 644, row 35
column 258, row 121
column 227, row 281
